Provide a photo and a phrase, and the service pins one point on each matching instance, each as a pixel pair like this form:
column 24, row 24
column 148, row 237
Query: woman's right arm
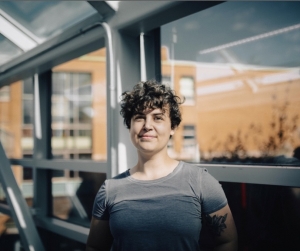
column 100, row 238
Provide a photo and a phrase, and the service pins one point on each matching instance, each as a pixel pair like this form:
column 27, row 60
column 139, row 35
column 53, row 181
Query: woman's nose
column 148, row 124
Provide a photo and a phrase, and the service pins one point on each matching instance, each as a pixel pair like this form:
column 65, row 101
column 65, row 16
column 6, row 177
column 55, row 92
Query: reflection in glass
column 9, row 235
column 28, row 86
column 28, row 116
column 24, row 180
column 28, row 112
column 2, row 194
column 8, row 50
column 79, row 107
column 48, row 18
column 74, row 194
column 246, row 76
column 12, row 119
column 267, row 217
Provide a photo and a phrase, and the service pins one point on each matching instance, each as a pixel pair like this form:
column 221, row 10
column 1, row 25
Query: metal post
column 19, row 209
column 42, row 143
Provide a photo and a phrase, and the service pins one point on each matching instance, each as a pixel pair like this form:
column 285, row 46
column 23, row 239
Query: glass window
column 246, row 77
column 187, row 89
column 28, row 117
column 49, row 18
column 74, row 194
column 24, row 180
column 4, row 93
column 166, row 80
column 79, row 106
column 28, row 174
column 267, row 217
column 28, row 111
column 28, row 86
column 189, row 149
column 9, row 233
column 13, row 114
column 8, row 50
column 2, row 194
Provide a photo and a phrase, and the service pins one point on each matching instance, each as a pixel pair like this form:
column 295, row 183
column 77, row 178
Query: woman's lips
column 146, row 136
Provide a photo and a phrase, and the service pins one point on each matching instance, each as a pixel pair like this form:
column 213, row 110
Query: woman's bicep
column 100, row 237
column 222, row 227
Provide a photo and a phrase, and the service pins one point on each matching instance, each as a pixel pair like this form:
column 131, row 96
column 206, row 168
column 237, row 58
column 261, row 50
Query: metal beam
column 152, row 52
column 19, row 210
column 42, row 200
column 69, row 230
column 147, row 15
column 5, row 209
column 78, row 40
column 134, row 17
column 269, row 175
column 104, row 9
column 78, row 165
column 127, row 63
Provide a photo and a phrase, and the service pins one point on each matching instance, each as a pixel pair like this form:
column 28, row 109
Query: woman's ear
column 173, row 130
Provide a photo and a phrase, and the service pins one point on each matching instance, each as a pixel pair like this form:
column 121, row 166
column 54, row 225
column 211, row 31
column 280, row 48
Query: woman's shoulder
column 193, row 168
column 117, row 180
column 120, row 176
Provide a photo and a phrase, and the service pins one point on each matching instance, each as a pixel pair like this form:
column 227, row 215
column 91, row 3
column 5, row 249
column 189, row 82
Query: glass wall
column 78, row 132
column 9, row 235
column 79, row 108
column 27, row 24
column 11, row 119
column 238, row 65
column 267, row 217
column 73, row 198
column 2, row 194
column 27, row 118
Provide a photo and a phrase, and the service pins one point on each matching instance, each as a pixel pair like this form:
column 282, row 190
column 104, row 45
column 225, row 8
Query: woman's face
column 150, row 130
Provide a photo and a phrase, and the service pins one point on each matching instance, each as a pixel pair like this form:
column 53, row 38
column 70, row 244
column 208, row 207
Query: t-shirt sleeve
column 212, row 195
column 100, row 210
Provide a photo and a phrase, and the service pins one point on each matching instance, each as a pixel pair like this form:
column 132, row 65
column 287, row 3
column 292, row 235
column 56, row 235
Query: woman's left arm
column 222, row 226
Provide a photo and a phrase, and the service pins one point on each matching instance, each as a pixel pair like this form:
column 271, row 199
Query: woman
column 160, row 203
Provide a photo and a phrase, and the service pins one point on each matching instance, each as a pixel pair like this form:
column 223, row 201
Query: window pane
column 8, row 50
column 16, row 116
column 48, row 18
column 246, row 76
column 28, row 111
column 80, row 106
column 2, row 194
column 187, row 89
column 267, row 217
column 74, row 194
column 24, row 181
column 28, row 86
column 4, row 93
column 9, row 233
column 59, row 81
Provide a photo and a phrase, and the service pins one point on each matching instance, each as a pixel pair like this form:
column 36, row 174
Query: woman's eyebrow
column 138, row 114
column 159, row 113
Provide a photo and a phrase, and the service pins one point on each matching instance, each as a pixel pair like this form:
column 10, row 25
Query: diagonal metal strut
column 19, row 210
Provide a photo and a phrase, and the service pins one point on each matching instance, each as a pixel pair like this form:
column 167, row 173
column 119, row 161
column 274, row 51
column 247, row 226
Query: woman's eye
column 158, row 118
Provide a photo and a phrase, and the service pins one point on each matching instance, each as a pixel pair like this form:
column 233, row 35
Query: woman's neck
column 153, row 168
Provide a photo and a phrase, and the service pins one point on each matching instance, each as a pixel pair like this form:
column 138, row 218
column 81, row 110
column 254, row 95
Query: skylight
column 27, row 24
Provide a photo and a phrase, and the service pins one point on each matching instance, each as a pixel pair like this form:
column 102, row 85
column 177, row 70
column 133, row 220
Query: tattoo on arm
column 216, row 224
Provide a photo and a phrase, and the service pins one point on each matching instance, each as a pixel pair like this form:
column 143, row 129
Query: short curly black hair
column 150, row 95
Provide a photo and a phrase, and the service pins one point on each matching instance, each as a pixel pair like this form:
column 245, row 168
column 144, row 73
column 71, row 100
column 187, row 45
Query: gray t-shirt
column 159, row 215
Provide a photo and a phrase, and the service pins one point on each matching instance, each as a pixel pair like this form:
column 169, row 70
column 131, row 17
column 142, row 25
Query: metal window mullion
column 42, row 201
column 152, row 53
